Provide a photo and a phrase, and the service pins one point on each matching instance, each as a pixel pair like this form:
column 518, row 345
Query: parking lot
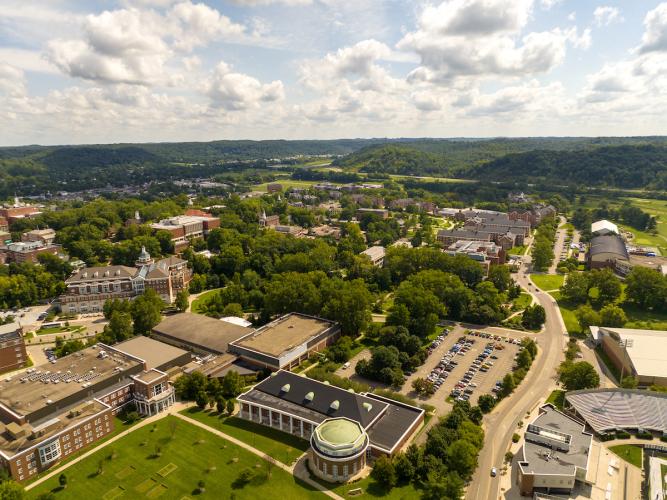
column 474, row 362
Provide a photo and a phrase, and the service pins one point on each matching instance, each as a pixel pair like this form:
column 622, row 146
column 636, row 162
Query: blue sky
column 75, row 71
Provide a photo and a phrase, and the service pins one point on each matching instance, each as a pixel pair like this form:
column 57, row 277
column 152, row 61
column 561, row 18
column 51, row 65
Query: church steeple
column 144, row 258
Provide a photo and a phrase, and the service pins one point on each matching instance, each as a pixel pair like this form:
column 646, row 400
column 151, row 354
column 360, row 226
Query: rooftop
column 201, row 331
column 95, row 273
column 542, row 459
column 49, row 384
column 612, row 244
column 603, row 226
column 340, row 431
column 647, row 349
column 153, row 352
column 284, row 334
column 149, row 376
column 9, row 328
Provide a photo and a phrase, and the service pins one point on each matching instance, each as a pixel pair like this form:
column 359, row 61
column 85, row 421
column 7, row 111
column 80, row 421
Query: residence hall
column 346, row 429
column 53, row 410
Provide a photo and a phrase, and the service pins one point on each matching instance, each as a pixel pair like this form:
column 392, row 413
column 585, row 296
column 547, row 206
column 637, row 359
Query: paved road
column 502, row 422
column 561, row 233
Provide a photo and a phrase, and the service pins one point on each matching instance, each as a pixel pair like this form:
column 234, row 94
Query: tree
column 202, row 400
column 612, row 315
column 646, row 287
column 533, row 317
column 230, row 406
column 384, row 472
column 233, row 309
column 231, row 384
column 524, row 359
column 443, row 487
column 220, row 405
column 462, row 457
column 508, row 385
column 604, row 286
column 10, row 490
column 587, row 316
column 575, row 288
column 629, row 382
column 182, row 301
column 423, row 386
column 581, row 375
column 146, row 312
column 405, row 469
column 486, row 402
column 62, row 480
column 348, row 303
column 118, row 329
column 500, row 277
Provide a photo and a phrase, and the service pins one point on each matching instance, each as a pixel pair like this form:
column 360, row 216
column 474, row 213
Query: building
column 607, row 410
column 505, row 240
column 90, row 287
column 325, row 231
column 608, row 251
column 54, row 410
column 235, row 320
column 484, row 252
column 23, row 251
column 634, row 352
column 269, row 220
column 44, row 236
column 376, row 254
column 155, row 355
column 345, row 429
column 378, row 212
column 12, row 348
column 183, row 228
column 603, row 227
column 286, row 342
column 274, row 188
column 555, row 454
column 4, row 225
column 12, row 214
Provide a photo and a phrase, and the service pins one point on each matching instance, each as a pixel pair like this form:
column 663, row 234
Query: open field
column 520, row 250
column 630, row 453
column 286, row 184
column 372, row 489
column 59, row 329
column 522, row 301
column 548, row 282
column 431, row 179
column 187, row 455
column 567, row 312
column 279, row 445
column 202, row 300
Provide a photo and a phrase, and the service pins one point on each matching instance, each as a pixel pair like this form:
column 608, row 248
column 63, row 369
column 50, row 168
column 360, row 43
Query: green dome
column 339, row 437
column 340, row 431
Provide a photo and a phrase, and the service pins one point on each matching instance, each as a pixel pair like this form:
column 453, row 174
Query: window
column 157, row 389
column 49, row 452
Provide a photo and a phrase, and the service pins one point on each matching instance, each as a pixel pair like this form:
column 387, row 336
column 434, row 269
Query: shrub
column 515, row 438
column 622, row 435
column 644, row 435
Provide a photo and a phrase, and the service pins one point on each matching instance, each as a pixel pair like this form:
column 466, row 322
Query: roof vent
column 96, row 274
column 106, row 273
column 84, row 274
column 273, row 374
column 367, row 406
column 285, row 388
column 326, row 382
column 335, row 405
column 117, row 272
column 350, row 390
column 310, row 396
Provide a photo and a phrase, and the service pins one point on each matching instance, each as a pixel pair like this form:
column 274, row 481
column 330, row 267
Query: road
column 541, row 379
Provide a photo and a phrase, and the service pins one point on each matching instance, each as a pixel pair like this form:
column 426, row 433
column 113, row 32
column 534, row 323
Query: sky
column 107, row 71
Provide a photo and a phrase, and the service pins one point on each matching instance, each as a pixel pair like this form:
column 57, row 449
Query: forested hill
column 620, row 166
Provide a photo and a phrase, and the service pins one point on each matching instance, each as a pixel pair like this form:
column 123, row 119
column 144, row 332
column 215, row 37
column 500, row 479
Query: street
column 541, row 379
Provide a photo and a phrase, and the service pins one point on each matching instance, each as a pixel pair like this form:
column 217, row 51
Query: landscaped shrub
column 644, row 435
column 622, row 435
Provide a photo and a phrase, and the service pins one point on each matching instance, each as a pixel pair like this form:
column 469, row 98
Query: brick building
column 27, row 251
column 183, row 228
column 12, row 348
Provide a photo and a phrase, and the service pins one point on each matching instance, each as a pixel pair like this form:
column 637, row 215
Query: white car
column 494, row 472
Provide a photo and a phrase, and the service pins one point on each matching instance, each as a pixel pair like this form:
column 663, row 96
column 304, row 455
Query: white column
column 291, row 425
column 301, row 422
column 280, row 416
column 270, row 418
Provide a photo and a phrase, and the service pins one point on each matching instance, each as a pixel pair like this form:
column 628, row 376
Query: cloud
column 134, row 45
column 548, row 4
column 655, row 34
column 605, row 15
column 12, row 81
column 480, row 38
column 255, row 3
column 236, row 91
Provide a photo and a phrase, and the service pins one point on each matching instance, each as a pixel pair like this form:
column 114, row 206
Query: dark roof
column 200, row 331
column 611, row 243
column 350, row 404
column 394, row 423
column 88, row 273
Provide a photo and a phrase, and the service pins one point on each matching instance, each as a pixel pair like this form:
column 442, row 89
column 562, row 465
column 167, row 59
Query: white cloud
column 12, row 81
column 605, row 15
column 236, row 91
column 255, row 3
column 548, row 4
column 655, row 34
column 480, row 38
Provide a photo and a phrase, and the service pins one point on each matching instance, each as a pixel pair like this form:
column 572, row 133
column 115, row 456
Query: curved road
column 502, row 422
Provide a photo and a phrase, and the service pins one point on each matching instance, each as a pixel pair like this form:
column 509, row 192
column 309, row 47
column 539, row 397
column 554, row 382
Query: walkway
column 300, row 472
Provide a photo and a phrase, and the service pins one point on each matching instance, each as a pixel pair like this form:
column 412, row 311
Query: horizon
column 152, row 71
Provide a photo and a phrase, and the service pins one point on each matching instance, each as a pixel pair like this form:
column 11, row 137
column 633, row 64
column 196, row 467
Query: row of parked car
column 482, row 363
column 491, row 336
column 448, row 361
column 50, row 354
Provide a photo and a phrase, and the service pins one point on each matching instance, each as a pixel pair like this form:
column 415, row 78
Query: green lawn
column 630, row 453
column 567, row 312
column 518, row 250
column 203, row 299
column 522, row 301
column 59, row 329
column 280, row 445
column 372, row 489
column 557, row 398
column 645, row 239
column 192, row 455
column 548, row 282
column 648, row 320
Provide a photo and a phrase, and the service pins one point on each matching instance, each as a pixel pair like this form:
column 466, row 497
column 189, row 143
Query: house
column 376, row 255
column 12, row 214
column 12, row 348
column 90, row 287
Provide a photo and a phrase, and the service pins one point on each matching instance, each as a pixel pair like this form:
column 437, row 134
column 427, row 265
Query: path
column 301, row 473
column 561, row 233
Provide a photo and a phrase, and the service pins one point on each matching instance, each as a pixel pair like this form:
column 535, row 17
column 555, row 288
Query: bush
column 644, row 435
column 515, row 438
column 622, row 435
column 509, row 456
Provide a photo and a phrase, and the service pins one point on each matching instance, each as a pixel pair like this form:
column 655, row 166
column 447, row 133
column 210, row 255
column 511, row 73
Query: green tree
column 231, row 384
column 581, row 375
column 462, row 458
column 587, row 316
column 233, row 309
column 604, row 286
column 533, row 317
column 146, row 312
column 405, row 469
column 524, row 359
column 443, row 487
column 10, row 490
column 500, row 277
column 629, row 382
column 575, row 288
column 508, row 385
column 646, row 287
column 384, row 472
column 118, row 329
column 230, row 406
column 182, row 300
column 486, row 402
column 612, row 315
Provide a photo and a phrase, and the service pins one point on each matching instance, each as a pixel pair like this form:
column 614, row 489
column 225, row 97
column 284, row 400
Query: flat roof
column 541, row 459
column 284, row 334
column 149, row 376
column 26, row 393
column 201, row 331
column 153, row 352
column 647, row 349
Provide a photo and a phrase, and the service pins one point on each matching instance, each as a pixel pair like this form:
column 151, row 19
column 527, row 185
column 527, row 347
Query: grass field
column 522, row 301
column 557, row 398
column 192, row 455
column 567, row 312
column 372, row 489
column 279, row 445
column 286, row 184
column 520, row 250
column 60, row 329
column 630, row 453
column 202, row 299
column 548, row 281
